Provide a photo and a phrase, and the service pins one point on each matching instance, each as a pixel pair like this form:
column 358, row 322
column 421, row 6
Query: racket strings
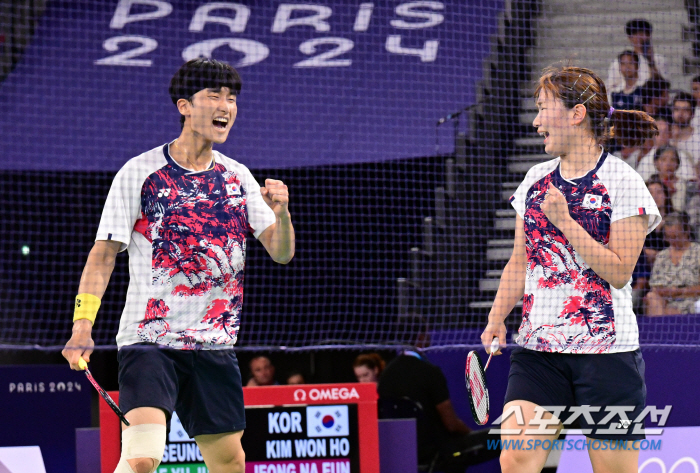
column 477, row 389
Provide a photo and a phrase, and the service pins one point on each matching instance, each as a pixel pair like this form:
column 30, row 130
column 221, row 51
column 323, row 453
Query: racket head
column 475, row 380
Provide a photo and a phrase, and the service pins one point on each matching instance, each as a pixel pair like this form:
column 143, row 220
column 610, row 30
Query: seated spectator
column 629, row 96
column 640, row 158
column 368, row 367
column 643, row 162
column 651, row 65
column 667, row 161
column 683, row 135
column 410, row 376
column 695, row 92
column 653, row 243
column 655, row 95
column 693, row 205
column 675, row 277
column 296, row 377
column 262, row 371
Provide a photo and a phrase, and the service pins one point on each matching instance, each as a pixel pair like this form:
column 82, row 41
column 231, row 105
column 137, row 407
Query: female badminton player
column 581, row 222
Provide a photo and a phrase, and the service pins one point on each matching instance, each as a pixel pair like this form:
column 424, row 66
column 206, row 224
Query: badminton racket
column 475, row 379
column 83, row 364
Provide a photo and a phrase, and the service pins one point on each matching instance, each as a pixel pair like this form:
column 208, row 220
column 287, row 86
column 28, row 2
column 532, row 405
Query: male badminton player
column 581, row 222
column 183, row 211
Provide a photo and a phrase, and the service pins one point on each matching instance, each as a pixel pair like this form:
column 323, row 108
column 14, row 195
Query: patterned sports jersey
column 186, row 236
column 567, row 307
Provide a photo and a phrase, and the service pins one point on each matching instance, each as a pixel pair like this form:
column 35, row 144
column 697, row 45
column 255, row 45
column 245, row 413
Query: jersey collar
column 601, row 159
column 172, row 162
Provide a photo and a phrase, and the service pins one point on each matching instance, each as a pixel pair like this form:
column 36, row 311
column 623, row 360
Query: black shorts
column 563, row 379
column 203, row 386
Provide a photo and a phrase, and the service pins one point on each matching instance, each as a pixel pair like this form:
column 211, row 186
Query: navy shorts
column 563, row 379
column 203, row 386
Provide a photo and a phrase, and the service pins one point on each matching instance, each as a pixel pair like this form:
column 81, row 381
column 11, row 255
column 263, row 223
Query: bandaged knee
column 142, row 441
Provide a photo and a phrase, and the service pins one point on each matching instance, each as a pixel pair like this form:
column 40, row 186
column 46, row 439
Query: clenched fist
column 276, row 195
column 555, row 207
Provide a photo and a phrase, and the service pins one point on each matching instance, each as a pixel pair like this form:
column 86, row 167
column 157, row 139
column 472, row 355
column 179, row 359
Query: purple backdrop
column 91, row 89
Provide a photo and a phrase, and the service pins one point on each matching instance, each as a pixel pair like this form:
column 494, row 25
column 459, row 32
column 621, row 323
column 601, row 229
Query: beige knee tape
column 143, row 441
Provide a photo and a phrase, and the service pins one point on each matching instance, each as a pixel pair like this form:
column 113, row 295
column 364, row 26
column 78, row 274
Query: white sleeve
column 661, row 65
column 614, row 77
column 517, row 200
column 260, row 215
column 122, row 208
column 633, row 198
column 537, row 172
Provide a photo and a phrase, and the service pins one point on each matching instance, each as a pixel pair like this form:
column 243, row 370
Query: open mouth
column 545, row 134
column 220, row 123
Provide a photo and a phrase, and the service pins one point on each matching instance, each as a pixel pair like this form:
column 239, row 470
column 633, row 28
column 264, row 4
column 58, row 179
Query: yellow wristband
column 86, row 306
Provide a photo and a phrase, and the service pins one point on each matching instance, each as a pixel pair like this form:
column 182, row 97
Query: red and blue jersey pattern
column 566, row 305
column 197, row 225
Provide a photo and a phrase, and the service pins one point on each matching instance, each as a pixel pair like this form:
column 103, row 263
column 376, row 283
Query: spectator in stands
column 651, row 65
column 693, row 205
column 368, row 367
column 653, row 243
column 441, row 433
column 667, row 162
column 262, row 371
column 655, row 97
column 642, row 158
column 695, row 92
column 675, row 278
column 628, row 97
column 683, row 135
column 296, row 377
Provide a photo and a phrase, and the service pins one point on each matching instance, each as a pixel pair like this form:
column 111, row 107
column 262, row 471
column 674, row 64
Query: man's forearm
column 282, row 243
column 98, row 269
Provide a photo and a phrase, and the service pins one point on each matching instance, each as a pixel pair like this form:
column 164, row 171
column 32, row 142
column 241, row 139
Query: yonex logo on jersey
column 591, row 201
column 164, row 192
column 233, row 189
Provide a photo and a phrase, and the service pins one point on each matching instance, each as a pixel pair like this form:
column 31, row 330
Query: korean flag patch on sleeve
column 591, row 201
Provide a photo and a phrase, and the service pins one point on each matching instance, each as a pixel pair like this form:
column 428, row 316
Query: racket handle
column 494, row 345
column 82, row 364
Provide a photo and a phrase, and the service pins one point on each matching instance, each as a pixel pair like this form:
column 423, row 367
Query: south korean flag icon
column 591, row 201
column 233, row 189
column 327, row 421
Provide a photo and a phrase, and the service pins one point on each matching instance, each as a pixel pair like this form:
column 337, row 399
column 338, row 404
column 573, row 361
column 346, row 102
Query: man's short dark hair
column 257, row 357
column 202, row 73
column 638, row 25
column 654, row 88
column 695, row 79
column 685, row 97
column 631, row 53
column 664, row 117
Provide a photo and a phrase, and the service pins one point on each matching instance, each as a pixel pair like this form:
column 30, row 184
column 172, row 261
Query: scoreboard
column 324, row 428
